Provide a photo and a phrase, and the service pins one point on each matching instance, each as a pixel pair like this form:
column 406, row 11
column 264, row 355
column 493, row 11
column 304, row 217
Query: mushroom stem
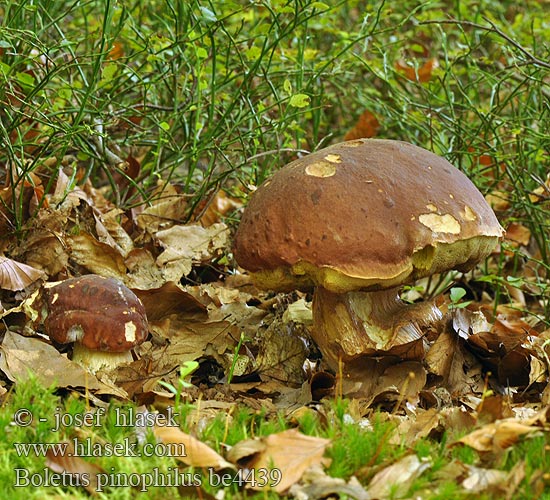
column 352, row 324
column 99, row 360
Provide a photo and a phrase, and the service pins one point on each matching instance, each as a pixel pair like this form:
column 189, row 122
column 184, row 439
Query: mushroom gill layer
column 461, row 255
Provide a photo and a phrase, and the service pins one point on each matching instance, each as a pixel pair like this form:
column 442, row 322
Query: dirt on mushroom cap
column 363, row 214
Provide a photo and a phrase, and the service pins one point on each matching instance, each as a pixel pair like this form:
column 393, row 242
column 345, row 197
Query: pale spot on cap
column 468, row 214
column 130, row 331
column 440, row 223
column 333, row 158
column 321, row 169
column 352, row 144
column 431, row 207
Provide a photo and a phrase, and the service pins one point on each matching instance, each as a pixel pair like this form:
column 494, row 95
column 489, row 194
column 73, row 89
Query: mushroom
column 357, row 221
column 103, row 318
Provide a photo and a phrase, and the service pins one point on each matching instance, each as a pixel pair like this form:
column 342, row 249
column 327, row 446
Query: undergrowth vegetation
column 219, row 94
column 360, row 448
column 205, row 95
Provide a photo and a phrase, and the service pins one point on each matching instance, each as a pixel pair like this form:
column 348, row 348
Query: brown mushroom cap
column 363, row 214
column 100, row 313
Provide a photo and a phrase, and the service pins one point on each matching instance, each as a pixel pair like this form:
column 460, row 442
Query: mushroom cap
column 363, row 214
column 100, row 313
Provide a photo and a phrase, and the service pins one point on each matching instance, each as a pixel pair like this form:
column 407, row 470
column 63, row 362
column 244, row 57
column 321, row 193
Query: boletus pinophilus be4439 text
column 357, row 221
column 101, row 317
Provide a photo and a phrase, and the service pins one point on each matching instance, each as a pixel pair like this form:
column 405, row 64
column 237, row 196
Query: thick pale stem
column 353, row 324
column 99, row 360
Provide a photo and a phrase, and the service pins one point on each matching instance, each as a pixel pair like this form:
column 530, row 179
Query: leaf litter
column 483, row 370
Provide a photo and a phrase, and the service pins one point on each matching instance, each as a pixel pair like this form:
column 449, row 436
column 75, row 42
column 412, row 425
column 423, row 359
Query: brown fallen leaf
column 480, row 480
column 170, row 299
column 452, row 362
column 45, row 248
column 188, row 245
column 197, row 453
column 24, row 355
column 167, row 207
column 477, row 480
column 497, row 436
column 517, row 234
column 417, row 427
column 395, row 480
column 281, row 354
column 383, row 380
column 542, row 192
column 85, row 474
column 16, row 275
column 289, row 452
column 97, row 257
column 216, row 208
column 189, row 340
column 421, row 74
column 367, row 126
column 317, row 485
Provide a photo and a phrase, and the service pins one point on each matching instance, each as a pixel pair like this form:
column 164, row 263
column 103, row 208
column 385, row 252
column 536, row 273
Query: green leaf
column 208, row 15
column 108, row 72
column 319, row 5
column 253, row 53
column 300, row 100
column 456, row 293
column 25, row 80
column 287, row 87
column 202, row 53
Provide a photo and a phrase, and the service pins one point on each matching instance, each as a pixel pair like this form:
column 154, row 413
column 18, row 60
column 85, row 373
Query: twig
column 112, row 158
column 493, row 28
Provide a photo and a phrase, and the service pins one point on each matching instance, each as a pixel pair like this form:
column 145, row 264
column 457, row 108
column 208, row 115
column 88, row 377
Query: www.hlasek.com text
column 88, row 448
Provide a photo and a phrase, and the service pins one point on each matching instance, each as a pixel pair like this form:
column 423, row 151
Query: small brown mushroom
column 103, row 318
column 358, row 220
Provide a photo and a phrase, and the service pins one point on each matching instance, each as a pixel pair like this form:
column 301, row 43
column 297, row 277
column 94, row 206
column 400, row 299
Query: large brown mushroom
column 103, row 318
column 357, row 221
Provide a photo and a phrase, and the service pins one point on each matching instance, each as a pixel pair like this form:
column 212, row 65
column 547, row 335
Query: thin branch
column 494, row 29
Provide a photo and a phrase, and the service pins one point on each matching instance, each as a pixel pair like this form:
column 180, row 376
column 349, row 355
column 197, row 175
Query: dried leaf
column 517, row 234
column 197, row 453
column 170, row 299
column 497, row 436
column 395, row 480
column 317, row 485
column 188, row 341
column 281, row 354
column 367, row 126
column 299, row 312
column 187, row 245
column 110, row 231
column 290, row 452
column 85, row 473
column 169, row 208
column 417, row 427
column 97, row 257
column 421, row 74
column 46, row 250
column 17, row 276
column 218, row 206
column 480, row 479
column 450, row 360
column 498, row 200
column 382, row 379
column 542, row 192
column 24, row 355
